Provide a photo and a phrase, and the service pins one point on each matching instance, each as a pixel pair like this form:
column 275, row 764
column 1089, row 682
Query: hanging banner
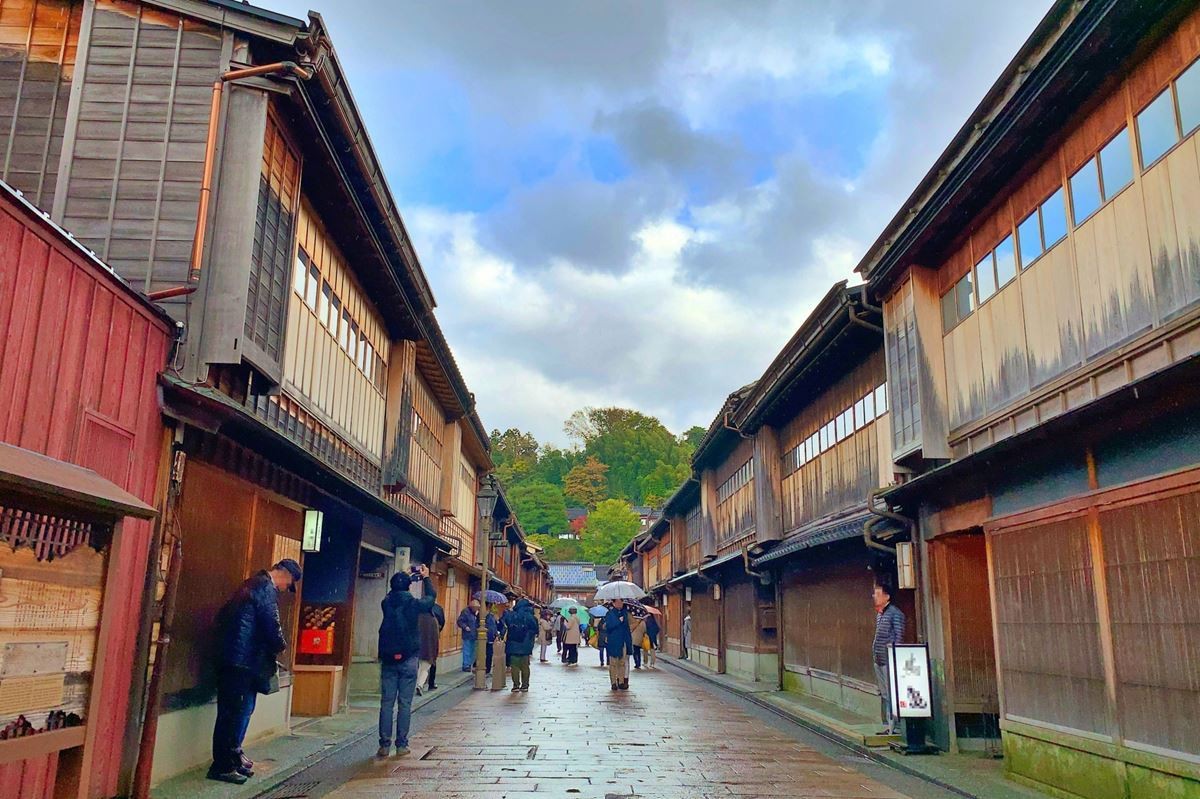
column 908, row 668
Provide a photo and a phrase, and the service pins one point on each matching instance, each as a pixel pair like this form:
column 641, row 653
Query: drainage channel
column 328, row 771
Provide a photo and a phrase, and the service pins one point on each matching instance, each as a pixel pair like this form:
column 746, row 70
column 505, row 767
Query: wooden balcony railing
column 454, row 534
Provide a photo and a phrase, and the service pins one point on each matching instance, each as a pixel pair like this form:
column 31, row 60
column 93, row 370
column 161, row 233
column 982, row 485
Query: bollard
column 499, row 666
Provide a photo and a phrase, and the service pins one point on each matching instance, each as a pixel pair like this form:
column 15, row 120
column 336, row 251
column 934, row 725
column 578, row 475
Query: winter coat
column 889, row 629
column 687, row 630
column 601, row 633
column 546, row 628
column 468, row 623
column 429, row 631
column 652, row 630
column 620, row 639
column 573, row 632
column 522, row 629
column 493, row 627
column 249, row 631
column 638, row 632
column 399, row 635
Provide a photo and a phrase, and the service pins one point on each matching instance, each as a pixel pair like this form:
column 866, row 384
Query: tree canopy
column 609, row 528
column 540, row 507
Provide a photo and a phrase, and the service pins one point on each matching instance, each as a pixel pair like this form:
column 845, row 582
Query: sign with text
column 314, row 520
column 908, row 681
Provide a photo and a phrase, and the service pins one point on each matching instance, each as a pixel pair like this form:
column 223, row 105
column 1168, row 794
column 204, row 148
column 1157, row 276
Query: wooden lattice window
column 274, row 242
column 49, row 536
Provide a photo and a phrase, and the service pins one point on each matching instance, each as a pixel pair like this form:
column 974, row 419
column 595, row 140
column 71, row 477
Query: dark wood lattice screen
column 48, row 536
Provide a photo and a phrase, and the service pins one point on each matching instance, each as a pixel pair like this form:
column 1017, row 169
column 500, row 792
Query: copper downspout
column 210, row 151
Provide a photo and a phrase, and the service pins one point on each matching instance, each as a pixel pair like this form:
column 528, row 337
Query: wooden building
column 1040, row 291
column 211, row 153
column 83, row 454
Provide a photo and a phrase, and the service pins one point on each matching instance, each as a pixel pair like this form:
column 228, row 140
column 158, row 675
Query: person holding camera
column 399, row 645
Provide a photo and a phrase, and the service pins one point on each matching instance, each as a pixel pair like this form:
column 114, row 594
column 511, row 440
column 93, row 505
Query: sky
column 636, row 202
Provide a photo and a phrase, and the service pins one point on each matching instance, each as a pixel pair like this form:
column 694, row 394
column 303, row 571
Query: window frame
column 1094, row 163
column 1168, row 92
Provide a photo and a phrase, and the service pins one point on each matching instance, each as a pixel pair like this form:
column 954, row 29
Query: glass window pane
column 314, row 286
column 839, row 428
column 1085, row 192
column 300, row 276
column 326, row 303
column 1029, row 234
column 1054, row 219
column 965, row 296
column 881, row 406
column 985, row 277
column 1116, row 165
column 949, row 310
column 1188, row 89
column 1156, row 128
column 1006, row 262
column 869, row 404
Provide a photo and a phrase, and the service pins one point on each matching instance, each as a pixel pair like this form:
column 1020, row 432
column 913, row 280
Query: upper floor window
column 1042, row 229
column 994, row 271
column 1157, row 128
column 958, row 302
column 1187, row 88
column 858, row 415
column 1101, row 178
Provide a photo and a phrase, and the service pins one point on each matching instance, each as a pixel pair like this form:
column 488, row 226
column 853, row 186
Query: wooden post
column 768, row 485
column 108, row 611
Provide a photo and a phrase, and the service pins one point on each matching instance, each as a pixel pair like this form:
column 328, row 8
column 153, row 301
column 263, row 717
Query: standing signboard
column 909, row 684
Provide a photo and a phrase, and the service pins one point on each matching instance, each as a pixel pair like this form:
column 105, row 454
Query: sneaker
column 515, row 689
column 245, row 771
column 525, row 689
column 402, row 751
column 232, row 777
column 384, row 751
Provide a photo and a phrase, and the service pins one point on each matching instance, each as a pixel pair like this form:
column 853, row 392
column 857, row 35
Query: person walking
column 545, row 633
column 652, row 630
column 523, row 628
column 468, row 625
column 493, row 632
column 638, row 634
column 619, row 644
column 250, row 636
column 429, row 629
column 602, row 640
column 889, row 630
column 399, row 647
column 562, row 631
column 572, row 635
column 687, row 636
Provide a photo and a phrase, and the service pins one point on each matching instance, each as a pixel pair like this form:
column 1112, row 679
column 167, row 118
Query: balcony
column 454, row 534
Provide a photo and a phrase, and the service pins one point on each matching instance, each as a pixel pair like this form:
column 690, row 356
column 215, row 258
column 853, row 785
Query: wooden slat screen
column 274, row 242
column 348, row 388
column 425, row 454
column 900, row 335
column 741, row 617
column 1152, row 563
column 38, row 43
column 734, row 514
column 705, row 612
column 828, row 620
column 1047, row 628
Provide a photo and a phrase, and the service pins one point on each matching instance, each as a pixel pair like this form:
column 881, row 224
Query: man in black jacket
column 250, row 637
column 399, row 645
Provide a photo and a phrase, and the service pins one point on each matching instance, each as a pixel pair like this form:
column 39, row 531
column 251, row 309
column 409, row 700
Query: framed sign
column 314, row 520
column 909, row 685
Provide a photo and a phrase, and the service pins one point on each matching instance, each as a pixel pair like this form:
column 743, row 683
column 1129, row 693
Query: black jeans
column 570, row 653
column 637, row 657
column 432, row 682
column 236, row 697
column 603, row 652
column 490, row 652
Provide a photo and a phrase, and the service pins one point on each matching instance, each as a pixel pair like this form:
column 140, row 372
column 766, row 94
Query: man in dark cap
column 250, row 637
column 399, row 647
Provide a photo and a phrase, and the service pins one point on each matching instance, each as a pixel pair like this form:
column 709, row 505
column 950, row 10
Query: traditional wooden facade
column 211, row 153
column 80, row 354
column 1041, row 307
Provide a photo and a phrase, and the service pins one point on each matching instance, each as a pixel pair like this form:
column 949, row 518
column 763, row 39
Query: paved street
column 571, row 736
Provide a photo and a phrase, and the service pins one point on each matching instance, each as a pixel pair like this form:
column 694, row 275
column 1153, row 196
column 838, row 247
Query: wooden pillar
column 451, row 447
column 708, row 510
column 768, row 486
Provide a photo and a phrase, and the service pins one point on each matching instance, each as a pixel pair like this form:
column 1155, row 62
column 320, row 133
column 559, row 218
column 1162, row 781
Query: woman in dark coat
column 429, row 629
column 619, row 644
column 602, row 640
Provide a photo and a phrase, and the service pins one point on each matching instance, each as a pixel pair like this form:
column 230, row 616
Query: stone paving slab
column 571, row 736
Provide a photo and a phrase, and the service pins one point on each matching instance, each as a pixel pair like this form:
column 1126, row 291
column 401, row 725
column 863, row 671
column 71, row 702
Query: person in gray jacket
column 889, row 629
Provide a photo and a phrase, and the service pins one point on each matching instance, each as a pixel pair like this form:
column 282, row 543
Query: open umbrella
column 579, row 613
column 564, row 602
column 491, row 597
column 619, row 589
column 598, row 612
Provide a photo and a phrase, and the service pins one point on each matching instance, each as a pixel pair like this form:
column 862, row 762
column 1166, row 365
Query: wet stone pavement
column 571, row 736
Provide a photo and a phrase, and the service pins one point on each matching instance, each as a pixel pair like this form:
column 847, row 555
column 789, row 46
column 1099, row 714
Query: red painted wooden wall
column 80, row 354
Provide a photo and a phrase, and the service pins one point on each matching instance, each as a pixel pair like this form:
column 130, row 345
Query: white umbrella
column 564, row 602
column 618, row 589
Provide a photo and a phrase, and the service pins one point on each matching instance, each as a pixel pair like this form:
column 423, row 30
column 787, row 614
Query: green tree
column 515, row 454
column 693, row 437
column 558, row 549
column 553, row 464
column 609, row 528
column 630, row 443
column 587, row 484
column 540, row 506
column 661, row 483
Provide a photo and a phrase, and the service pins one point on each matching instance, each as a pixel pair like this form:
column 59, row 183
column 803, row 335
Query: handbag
column 645, row 643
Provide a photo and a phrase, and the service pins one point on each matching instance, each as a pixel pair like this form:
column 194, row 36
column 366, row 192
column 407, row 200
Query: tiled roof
column 574, row 575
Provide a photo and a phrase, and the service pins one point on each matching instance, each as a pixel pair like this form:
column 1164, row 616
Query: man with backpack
column 399, row 645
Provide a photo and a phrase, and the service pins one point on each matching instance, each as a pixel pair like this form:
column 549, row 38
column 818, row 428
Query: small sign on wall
column 906, row 572
column 687, row 594
column 314, row 521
